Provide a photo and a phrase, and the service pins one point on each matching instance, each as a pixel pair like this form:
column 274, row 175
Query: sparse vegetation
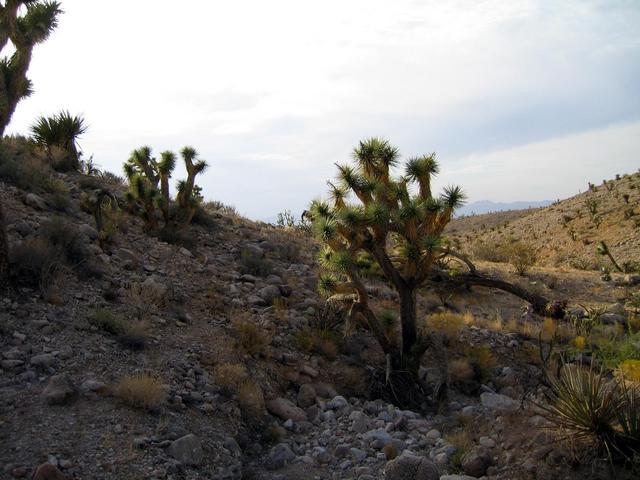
column 141, row 391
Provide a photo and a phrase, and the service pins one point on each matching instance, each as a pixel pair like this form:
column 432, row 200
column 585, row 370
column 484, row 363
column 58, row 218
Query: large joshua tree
column 399, row 228
column 398, row 222
column 25, row 23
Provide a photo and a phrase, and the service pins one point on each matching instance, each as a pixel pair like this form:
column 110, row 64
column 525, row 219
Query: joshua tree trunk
column 408, row 316
column 4, row 251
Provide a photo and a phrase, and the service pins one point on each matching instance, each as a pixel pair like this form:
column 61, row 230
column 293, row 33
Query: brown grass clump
column 463, row 442
column 230, row 376
column 251, row 338
column 250, row 397
column 461, row 370
column 482, row 361
column 447, row 323
column 390, row 451
column 141, row 391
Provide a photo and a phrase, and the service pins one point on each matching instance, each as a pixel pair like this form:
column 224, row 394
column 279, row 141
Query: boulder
column 35, row 201
column 337, row 402
column 476, row 462
column 285, row 409
column 269, row 293
column 187, row 450
column 279, row 456
column 46, row 471
column 306, row 396
column 498, row 402
column 411, row 467
column 59, row 390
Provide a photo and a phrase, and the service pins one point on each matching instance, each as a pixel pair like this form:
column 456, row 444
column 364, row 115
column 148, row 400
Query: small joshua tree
column 25, row 29
column 149, row 187
column 399, row 229
column 603, row 249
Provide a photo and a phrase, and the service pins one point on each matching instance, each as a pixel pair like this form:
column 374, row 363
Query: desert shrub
column 328, row 316
column 462, row 442
column 461, row 370
column 65, row 235
column 305, row 340
column 600, row 412
column 613, row 352
column 490, row 252
column 229, row 376
column 288, row 251
column 522, row 257
column 583, row 325
column 251, row 338
column 108, row 321
column 36, row 263
column 218, row 206
column 141, row 391
column 250, row 398
column 253, row 264
column 482, row 361
column 19, row 166
column 129, row 334
column 447, row 323
column 629, row 370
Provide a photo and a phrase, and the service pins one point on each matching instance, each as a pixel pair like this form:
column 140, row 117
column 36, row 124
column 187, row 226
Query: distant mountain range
column 487, row 206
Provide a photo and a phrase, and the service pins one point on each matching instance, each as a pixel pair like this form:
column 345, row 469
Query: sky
column 520, row 99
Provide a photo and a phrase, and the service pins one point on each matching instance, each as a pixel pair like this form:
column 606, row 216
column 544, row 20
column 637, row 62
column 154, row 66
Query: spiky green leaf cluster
column 395, row 219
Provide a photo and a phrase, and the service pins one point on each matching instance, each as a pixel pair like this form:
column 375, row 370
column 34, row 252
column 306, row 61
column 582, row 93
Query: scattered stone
column 59, row 390
column 187, row 450
column 476, row 462
column 46, row 471
column 337, row 403
column 306, row 396
column 498, row 402
column 35, row 201
column 43, row 360
column 285, row 409
column 411, row 467
column 279, row 456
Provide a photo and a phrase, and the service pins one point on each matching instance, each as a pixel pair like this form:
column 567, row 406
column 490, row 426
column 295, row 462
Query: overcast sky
column 521, row 100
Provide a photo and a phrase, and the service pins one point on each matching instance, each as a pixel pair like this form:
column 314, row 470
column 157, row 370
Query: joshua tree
column 61, row 131
column 149, row 186
column 397, row 222
column 25, row 29
column 399, row 229
column 603, row 249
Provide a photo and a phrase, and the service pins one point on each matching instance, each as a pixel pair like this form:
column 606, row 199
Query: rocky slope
column 284, row 412
column 565, row 234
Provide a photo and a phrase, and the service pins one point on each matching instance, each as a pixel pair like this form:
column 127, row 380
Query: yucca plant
column 60, row 131
column 591, row 408
column 25, row 28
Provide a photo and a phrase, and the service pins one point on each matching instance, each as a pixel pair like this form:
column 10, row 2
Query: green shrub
column 252, row 264
column 522, row 256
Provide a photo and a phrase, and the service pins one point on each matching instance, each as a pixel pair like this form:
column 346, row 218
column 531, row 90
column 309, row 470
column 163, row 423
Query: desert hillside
column 210, row 354
column 566, row 233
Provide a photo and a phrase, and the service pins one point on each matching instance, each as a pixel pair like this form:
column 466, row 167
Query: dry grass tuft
column 141, row 391
column 448, row 324
column 390, row 451
column 461, row 370
column 251, row 398
column 251, row 338
column 230, row 376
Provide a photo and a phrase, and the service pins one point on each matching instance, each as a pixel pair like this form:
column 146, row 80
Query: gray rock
column 337, row 403
column 613, row 318
column 279, row 456
column 500, row 403
column 306, row 396
column 155, row 286
column 92, row 386
column 59, row 390
column 360, row 422
column 411, row 467
column 187, row 450
column 44, row 360
column 35, row 201
column 88, row 231
column 324, row 390
column 269, row 293
column 285, row 409
column 476, row 462
column 457, row 477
